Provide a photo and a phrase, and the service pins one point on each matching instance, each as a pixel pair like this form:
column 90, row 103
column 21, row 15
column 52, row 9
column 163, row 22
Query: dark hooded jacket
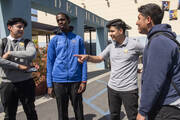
column 161, row 62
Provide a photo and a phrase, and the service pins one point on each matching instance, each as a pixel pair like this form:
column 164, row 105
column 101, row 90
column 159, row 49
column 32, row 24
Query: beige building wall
column 124, row 9
column 45, row 18
column 50, row 19
column 127, row 10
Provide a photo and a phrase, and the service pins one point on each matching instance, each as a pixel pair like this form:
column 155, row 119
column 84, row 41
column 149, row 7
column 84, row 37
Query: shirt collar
column 11, row 38
column 125, row 42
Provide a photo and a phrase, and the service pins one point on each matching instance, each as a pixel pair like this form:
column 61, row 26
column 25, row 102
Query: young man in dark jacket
column 16, row 55
column 161, row 61
column 65, row 75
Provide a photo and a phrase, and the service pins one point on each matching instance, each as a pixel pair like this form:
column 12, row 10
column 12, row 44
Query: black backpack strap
column 4, row 42
column 170, row 37
column 26, row 41
column 178, row 44
column 175, row 87
column 165, row 34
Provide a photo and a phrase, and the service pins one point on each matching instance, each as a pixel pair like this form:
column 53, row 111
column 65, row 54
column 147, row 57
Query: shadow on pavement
column 86, row 117
column 96, row 73
column 1, row 107
column 107, row 117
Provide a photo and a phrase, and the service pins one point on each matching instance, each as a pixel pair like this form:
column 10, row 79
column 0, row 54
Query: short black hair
column 13, row 21
column 153, row 10
column 118, row 23
column 67, row 17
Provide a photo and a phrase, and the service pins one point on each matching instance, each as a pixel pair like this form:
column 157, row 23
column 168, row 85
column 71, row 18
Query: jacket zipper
column 67, row 59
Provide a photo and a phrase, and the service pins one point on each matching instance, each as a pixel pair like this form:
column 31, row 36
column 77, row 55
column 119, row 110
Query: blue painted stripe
column 33, row 18
column 89, row 100
column 33, row 11
column 107, row 112
column 100, row 81
column 99, row 110
column 98, row 94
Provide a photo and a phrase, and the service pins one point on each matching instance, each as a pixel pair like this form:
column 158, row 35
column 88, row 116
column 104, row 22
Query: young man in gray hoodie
column 16, row 55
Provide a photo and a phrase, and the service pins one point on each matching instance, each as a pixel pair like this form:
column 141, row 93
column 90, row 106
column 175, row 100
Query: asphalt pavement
column 94, row 100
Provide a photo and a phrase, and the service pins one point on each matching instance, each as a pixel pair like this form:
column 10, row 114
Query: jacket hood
column 161, row 28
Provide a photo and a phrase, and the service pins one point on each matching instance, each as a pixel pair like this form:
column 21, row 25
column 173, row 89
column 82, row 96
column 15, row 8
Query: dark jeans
column 11, row 93
column 128, row 98
column 64, row 92
column 165, row 113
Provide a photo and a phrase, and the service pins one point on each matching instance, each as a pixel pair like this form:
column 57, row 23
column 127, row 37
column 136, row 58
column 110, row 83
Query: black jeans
column 64, row 92
column 128, row 98
column 11, row 93
column 165, row 113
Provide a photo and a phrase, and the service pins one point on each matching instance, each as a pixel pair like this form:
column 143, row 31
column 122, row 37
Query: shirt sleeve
column 29, row 53
column 4, row 63
column 51, row 56
column 106, row 52
column 84, row 65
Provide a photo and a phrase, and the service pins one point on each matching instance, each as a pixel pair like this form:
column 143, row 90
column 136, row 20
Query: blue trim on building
column 33, row 11
column 33, row 18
